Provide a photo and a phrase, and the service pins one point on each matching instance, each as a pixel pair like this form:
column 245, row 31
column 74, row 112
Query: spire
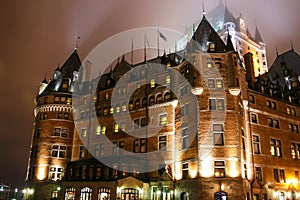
column 77, row 40
column 229, row 45
column 292, row 45
column 258, row 37
column 45, row 79
column 276, row 52
column 228, row 16
column 203, row 8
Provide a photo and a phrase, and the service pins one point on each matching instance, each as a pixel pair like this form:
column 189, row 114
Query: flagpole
column 157, row 42
column 145, row 56
column 132, row 51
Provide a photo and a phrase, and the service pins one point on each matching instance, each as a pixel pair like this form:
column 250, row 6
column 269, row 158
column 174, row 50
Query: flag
column 162, row 35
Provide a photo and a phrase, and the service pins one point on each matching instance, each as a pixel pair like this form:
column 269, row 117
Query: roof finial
column 292, row 45
column 77, row 40
column 276, row 52
column 203, row 8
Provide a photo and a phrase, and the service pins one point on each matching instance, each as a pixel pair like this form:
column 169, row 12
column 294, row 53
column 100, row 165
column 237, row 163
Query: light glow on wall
column 41, row 173
column 178, row 174
column 193, row 170
column 233, row 170
column 206, row 168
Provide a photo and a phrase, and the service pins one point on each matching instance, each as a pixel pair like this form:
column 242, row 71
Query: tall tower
column 224, row 22
column 53, row 128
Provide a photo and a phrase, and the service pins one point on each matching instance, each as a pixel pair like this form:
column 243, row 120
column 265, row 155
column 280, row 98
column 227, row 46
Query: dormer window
column 212, row 47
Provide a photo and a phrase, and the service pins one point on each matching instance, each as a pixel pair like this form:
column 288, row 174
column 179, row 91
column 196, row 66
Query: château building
column 201, row 123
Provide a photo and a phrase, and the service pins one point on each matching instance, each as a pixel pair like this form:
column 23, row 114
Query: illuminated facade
column 224, row 133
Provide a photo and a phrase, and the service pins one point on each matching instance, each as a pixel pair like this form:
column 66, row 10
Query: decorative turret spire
column 77, row 40
column 258, row 37
column 203, row 8
column 292, row 45
column 229, row 45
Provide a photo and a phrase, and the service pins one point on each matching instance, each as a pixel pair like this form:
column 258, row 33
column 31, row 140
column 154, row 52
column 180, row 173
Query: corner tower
column 53, row 127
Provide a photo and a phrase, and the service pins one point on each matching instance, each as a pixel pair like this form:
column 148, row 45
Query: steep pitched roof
column 204, row 34
column 258, row 37
column 72, row 64
column 229, row 45
column 283, row 65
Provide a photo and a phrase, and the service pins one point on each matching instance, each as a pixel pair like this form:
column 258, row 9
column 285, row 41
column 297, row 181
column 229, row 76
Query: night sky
column 36, row 36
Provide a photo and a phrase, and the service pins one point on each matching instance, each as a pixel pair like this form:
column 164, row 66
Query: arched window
column 117, row 108
column 86, row 193
column 124, row 108
column 184, row 196
column 151, row 100
column 167, row 96
column 220, row 195
column 144, row 101
column 104, row 193
column 137, row 103
column 105, row 111
column 70, row 193
column 159, row 98
column 130, row 105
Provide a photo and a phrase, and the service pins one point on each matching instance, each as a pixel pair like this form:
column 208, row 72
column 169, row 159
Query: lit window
column 111, row 110
column 163, row 119
column 218, row 134
column 56, row 173
column 98, row 130
column 86, row 193
column 123, row 126
column 152, row 83
column 219, row 169
column 103, row 193
column 105, row 111
column 116, row 127
column 103, row 130
column 70, row 193
column 293, row 128
column 168, row 79
column 162, row 143
column 221, row 105
column 212, row 47
column 219, row 84
column 210, row 65
column 282, row 176
column 258, row 174
column 83, row 132
column 130, row 105
column 58, row 151
column 124, row 108
column 69, row 101
column 82, row 152
column 117, row 108
column 276, row 149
